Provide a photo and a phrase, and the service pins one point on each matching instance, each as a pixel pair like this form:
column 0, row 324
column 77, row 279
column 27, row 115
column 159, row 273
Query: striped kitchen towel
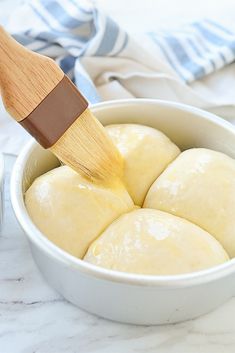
column 188, row 64
column 69, row 30
column 198, row 49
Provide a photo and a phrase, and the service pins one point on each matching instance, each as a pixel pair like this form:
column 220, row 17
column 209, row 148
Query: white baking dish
column 124, row 297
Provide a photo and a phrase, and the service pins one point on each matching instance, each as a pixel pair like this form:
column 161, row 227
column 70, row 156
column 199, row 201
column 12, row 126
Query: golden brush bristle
column 87, row 148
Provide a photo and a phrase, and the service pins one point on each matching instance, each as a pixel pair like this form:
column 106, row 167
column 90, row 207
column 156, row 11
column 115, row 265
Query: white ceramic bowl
column 124, row 297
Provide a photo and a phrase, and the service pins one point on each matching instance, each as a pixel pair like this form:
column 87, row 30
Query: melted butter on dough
column 71, row 211
column 199, row 185
column 146, row 153
column 156, row 243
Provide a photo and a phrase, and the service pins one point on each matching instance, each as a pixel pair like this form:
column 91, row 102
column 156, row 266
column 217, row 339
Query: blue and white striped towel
column 198, row 49
column 107, row 63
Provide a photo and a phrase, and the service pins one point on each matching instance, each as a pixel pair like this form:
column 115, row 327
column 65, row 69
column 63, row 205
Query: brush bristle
column 87, row 148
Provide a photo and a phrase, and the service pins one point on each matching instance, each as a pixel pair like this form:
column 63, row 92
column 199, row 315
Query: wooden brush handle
column 26, row 78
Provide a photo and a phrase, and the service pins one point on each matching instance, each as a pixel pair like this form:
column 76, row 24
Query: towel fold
column 192, row 64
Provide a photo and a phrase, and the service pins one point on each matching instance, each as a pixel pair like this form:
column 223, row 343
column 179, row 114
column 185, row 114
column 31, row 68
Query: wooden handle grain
column 26, row 78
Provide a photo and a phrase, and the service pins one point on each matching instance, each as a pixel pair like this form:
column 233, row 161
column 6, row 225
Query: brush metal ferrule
column 56, row 113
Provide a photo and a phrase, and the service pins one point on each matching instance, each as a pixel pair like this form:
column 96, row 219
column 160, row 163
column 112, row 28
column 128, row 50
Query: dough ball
column 146, row 152
column 200, row 187
column 71, row 211
column 152, row 242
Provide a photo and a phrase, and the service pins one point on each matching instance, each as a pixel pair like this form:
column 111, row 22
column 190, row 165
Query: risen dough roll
column 146, row 152
column 200, row 187
column 155, row 243
column 71, row 211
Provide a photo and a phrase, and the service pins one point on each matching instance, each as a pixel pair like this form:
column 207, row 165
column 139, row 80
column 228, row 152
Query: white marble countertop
column 35, row 319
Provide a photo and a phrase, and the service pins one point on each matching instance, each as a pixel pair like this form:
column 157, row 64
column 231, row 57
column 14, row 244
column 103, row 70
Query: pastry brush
column 39, row 96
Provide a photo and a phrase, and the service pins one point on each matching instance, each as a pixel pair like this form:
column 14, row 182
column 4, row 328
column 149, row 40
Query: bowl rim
column 45, row 245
